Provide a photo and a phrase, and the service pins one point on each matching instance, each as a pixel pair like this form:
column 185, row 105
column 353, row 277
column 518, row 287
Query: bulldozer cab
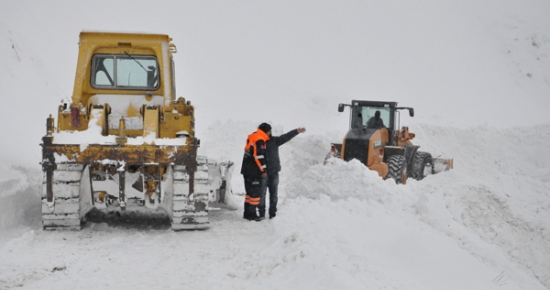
column 125, row 72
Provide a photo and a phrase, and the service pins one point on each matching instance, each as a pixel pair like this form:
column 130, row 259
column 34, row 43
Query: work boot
column 246, row 212
column 250, row 214
column 272, row 215
column 261, row 217
column 251, row 218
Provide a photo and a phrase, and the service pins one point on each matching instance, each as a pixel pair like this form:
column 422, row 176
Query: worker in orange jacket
column 254, row 168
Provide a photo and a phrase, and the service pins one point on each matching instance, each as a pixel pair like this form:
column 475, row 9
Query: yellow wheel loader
column 374, row 138
column 125, row 142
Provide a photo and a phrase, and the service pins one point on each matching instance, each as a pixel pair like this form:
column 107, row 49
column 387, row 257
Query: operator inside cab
column 376, row 122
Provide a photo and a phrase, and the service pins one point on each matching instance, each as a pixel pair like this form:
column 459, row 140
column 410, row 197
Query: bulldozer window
column 103, row 68
column 125, row 72
column 137, row 72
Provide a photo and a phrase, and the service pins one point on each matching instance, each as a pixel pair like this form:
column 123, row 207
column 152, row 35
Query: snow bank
column 495, row 200
column 19, row 197
column 493, row 208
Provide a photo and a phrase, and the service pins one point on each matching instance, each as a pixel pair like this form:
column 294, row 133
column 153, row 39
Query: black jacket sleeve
column 280, row 140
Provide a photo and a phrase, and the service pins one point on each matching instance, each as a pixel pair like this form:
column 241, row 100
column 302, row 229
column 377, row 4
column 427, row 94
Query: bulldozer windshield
column 125, row 72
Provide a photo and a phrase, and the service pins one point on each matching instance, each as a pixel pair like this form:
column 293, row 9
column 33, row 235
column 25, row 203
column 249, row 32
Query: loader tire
column 397, row 168
column 422, row 166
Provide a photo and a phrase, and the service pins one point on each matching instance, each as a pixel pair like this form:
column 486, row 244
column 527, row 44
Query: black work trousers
column 252, row 200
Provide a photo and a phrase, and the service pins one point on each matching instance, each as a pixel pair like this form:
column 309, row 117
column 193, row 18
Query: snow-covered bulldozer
column 125, row 142
column 374, row 138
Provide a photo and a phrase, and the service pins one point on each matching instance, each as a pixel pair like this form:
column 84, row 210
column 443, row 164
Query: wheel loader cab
column 361, row 112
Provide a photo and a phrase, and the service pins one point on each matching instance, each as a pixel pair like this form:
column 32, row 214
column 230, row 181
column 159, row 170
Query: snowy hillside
column 477, row 74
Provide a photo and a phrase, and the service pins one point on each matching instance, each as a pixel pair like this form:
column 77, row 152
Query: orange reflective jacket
column 254, row 163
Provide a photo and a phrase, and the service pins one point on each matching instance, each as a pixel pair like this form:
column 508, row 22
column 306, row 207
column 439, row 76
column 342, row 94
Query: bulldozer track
column 63, row 211
column 190, row 209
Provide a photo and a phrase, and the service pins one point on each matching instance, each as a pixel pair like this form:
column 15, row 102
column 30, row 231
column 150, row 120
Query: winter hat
column 265, row 127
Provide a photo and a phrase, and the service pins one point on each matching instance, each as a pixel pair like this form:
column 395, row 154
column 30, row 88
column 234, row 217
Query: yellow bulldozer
column 125, row 142
column 376, row 139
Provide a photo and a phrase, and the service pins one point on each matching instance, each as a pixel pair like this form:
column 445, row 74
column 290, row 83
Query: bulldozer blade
column 219, row 180
column 442, row 164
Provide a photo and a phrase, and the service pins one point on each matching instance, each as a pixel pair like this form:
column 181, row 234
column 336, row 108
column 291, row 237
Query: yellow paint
column 174, row 123
column 101, row 196
column 132, row 112
column 163, row 121
column 92, row 43
column 98, row 117
column 151, row 122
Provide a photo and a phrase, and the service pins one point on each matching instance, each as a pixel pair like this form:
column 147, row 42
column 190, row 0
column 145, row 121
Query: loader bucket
column 442, row 164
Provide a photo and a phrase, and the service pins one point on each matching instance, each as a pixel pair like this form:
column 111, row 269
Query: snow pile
column 339, row 180
column 19, row 197
column 495, row 200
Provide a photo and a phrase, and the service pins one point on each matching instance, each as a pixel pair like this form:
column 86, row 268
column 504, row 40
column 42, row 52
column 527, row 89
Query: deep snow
column 481, row 226
column 477, row 73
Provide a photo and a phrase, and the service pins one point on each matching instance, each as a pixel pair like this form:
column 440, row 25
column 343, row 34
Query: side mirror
column 340, row 108
column 411, row 112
